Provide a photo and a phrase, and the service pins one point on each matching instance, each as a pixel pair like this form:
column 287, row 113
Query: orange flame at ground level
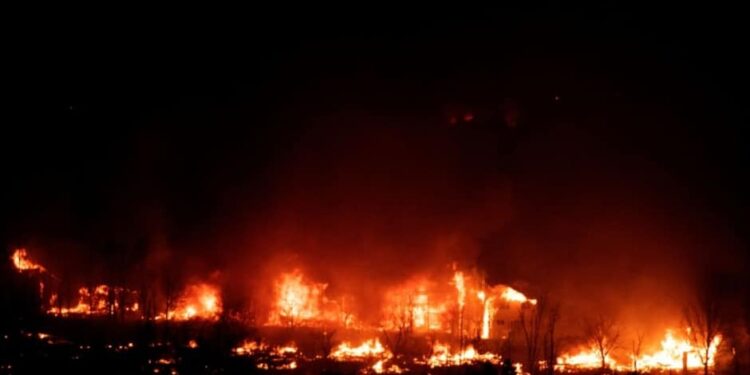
column 585, row 358
column 370, row 348
column 379, row 368
column 674, row 354
column 99, row 300
column 442, row 356
column 253, row 347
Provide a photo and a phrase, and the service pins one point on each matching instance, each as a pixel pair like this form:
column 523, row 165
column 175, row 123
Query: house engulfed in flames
column 462, row 306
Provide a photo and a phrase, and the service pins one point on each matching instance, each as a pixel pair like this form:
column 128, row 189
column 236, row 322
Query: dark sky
column 605, row 146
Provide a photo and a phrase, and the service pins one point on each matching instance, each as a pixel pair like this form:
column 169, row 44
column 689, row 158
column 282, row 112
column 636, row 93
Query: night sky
column 604, row 153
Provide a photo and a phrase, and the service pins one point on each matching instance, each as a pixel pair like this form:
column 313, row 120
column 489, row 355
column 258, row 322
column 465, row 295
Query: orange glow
column 486, row 314
column 671, row 353
column 249, row 347
column 668, row 357
column 379, row 368
column 90, row 301
column 370, row 348
column 297, row 300
column 23, row 262
column 512, row 295
column 253, row 347
column 584, row 358
column 412, row 306
column 422, row 305
column 458, row 281
column 288, row 349
column 99, row 300
column 442, row 356
column 198, row 301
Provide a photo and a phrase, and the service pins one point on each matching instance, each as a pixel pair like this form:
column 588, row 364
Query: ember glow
column 22, row 261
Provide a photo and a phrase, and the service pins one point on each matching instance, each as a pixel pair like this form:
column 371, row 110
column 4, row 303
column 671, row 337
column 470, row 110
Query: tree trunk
column 705, row 362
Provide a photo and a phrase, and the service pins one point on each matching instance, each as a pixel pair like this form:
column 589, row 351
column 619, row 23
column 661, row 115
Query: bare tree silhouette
column 636, row 348
column 703, row 319
column 603, row 334
column 531, row 318
column 550, row 349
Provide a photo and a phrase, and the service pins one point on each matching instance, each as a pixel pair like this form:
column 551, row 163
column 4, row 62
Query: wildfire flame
column 253, row 347
column 99, row 300
column 296, row 300
column 379, row 368
column 672, row 351
column 198, row 301
column 487, row 309
column 512, row 295
column 370, row 348
column 669, row 357
column 442, row 356
column 412, row 306
column 249, row 347
column 23, row 262
column 458, row 281
column 585, row 358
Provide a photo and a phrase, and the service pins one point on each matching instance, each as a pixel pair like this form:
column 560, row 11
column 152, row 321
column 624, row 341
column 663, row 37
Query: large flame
column 512, row 295
column 673, row 351
column 297, row 300
column 22, row 261
column 198, row 301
